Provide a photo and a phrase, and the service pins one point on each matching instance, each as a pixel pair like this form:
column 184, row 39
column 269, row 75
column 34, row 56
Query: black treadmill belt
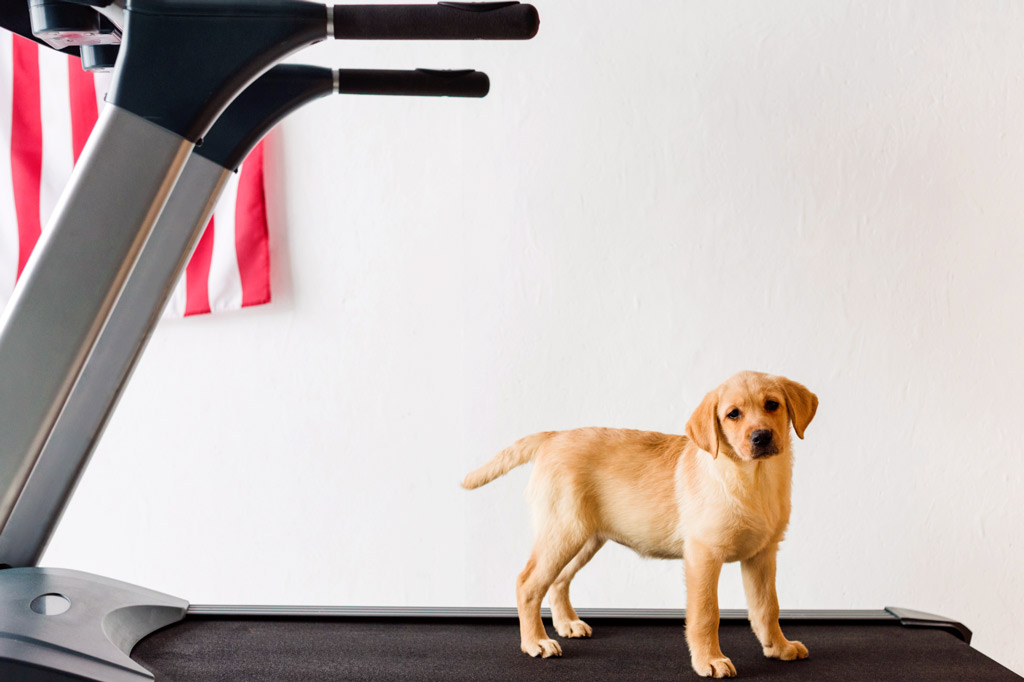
column 366, row 649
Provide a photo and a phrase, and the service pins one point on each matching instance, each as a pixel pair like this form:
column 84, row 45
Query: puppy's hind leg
column 567, row 623
column 551, row 552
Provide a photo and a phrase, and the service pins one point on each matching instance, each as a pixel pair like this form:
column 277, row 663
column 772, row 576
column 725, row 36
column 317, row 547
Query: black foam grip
column 422, row 82
column 443, row 21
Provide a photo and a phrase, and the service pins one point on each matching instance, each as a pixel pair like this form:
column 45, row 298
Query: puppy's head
column 749, row 415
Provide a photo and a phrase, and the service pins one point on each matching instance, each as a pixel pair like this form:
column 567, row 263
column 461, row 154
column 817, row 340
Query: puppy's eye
column 771, row 406
column 735, row 414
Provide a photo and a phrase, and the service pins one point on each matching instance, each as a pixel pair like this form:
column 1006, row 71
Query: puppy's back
column 619, row 451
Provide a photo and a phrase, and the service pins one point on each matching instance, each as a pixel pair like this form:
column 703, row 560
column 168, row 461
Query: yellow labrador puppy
column 720, row 493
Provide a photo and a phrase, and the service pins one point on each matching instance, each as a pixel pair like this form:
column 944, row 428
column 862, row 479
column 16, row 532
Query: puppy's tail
column 520, row 452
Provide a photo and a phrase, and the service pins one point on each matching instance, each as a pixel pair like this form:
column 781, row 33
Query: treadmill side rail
column 57, row 624
column 920, row 619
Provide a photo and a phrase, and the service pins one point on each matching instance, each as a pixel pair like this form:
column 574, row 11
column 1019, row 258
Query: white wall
column 654, row 196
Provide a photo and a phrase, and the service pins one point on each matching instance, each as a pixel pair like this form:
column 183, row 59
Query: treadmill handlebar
column 443, row 21
column 287, row 87
column 183, row 61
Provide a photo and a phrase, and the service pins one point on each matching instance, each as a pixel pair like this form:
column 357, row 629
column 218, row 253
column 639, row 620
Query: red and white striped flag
column 48, row 107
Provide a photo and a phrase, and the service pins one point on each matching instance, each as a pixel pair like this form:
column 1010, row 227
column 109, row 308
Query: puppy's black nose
column 761, row 438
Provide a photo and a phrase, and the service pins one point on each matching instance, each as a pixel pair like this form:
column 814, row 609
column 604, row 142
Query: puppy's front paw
column 574, row 628
column 545, row 648
column 788, row 651
column 714, row 667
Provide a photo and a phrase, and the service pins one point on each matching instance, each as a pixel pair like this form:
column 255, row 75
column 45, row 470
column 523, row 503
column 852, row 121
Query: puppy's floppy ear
column 802, row 405
column 702, row 428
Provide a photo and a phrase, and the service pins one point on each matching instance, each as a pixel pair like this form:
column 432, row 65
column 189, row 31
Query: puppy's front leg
column 702, row 572
column 763, row 603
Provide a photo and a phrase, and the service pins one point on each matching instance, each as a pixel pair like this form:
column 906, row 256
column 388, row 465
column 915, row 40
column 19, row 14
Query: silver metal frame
column 73, row 279
column 109, row 367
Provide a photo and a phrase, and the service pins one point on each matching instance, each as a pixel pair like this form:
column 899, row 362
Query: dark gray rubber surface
column 257, row 650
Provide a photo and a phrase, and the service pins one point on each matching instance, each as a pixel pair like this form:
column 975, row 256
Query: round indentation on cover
column 50, row 604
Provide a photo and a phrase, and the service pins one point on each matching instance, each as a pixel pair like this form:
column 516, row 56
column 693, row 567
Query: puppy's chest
column 739, row 526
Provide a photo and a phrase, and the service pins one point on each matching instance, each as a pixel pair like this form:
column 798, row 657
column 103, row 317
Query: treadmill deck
column 458, row 648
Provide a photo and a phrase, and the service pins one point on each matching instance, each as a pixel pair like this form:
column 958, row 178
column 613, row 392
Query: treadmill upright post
column 80, row 424
column 73, row 278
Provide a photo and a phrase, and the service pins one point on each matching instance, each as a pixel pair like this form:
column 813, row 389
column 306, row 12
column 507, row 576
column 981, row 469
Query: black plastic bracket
column 63, row 24
column 183, row 61
column 14, row 17
column 259, row 107
column 920, row 619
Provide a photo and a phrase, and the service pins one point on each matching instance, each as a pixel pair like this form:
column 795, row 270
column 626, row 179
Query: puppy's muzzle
column 763, row 444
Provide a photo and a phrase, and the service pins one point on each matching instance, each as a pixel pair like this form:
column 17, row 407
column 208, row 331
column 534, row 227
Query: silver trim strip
column 503, row 612
column 330, row 22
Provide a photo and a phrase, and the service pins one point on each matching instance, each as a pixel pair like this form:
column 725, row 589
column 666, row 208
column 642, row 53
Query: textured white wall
column 654, row 196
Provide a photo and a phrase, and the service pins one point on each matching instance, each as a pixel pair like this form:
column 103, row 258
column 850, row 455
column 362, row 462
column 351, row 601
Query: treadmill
column 187, row 71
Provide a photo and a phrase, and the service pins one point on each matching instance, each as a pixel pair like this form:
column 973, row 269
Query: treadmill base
column 57, row 624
